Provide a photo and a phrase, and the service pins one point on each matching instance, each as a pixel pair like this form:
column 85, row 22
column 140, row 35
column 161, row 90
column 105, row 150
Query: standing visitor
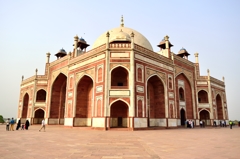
column 18, row 124
column 43, row 125
column 201, row 123
column 11, row 124
column 27, row 124
column 7, row 124
column 230, row 123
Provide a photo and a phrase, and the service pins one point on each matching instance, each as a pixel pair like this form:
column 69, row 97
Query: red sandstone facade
column 122, row 82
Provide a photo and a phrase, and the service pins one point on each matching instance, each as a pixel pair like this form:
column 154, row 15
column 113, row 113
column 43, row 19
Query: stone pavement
column 59, row 142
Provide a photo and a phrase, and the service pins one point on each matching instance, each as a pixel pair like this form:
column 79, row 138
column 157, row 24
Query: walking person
column 7, row 124
column 230, row 123
column 11, row 124
column 27, row 124
column 43, row 125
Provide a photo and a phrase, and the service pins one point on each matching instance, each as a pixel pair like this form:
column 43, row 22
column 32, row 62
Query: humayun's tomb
column 121, row 82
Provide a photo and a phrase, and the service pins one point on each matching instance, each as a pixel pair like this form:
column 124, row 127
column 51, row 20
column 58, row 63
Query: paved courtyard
column 59, row 142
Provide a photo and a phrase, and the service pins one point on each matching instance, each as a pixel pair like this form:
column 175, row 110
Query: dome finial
column 122, row 21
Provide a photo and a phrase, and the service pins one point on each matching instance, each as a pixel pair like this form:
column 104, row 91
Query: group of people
column 189, row 123
column 10, row 124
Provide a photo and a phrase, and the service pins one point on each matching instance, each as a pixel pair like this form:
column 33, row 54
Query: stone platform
column 59, row 142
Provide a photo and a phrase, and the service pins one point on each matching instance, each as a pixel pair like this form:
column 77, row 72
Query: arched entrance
column 204, row 116
column 57, row 108
column 182, row 116
column 38, row 116
column 25, row 106
column 219, row 107
column 119, row 114
column 84, row 99
column 155, row 100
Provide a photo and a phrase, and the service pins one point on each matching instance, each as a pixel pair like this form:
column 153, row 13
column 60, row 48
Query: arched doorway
column 204, row 116
column 38, row 116
column 182, row 116
column 57, row 108
column 219, row 107
column 84, row 99
column 119, row 114
column 25, row 106
column 155, row 100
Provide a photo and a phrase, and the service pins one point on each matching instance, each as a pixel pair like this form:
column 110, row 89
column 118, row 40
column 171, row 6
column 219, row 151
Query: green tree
column 1, row 119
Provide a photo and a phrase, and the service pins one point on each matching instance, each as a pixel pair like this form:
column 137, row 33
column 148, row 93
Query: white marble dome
column 138, row 37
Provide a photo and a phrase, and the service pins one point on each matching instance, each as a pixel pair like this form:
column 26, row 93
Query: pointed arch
column 41, row 95
column 219, row 107
column 202, row 96
column 119, row 77
column 58, row 98
column 39, row 114
column 181, row 80
column 25, row 105
column 119, row 113
column 84, row 97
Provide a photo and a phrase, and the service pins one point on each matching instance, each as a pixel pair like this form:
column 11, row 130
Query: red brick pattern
column 139, row 74
column 100, row 74
column 140, row 103
column 99, row 107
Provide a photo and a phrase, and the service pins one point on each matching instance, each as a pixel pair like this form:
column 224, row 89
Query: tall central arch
column 57, row 108
column 155, row 100
column 84, row 102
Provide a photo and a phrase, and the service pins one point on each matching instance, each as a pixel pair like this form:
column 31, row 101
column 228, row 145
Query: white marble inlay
column 98, row 122
column 119, row 54
column 204, row 83
column 216, row 85
column 140, row 89
column 40, row 104
column 70, row 94
column 119, row 93
column 87, row 62
column 204, row 105
column 99, row 88
column 42, row 82
column 182, row 103
column 153, row 62
column 140, row 122
column 171, row 95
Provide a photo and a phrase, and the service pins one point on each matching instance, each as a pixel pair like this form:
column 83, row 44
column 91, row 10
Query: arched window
column 181, row 94
column 41, row 96
column 170, row 82
column 119, row 78
column 202, row 97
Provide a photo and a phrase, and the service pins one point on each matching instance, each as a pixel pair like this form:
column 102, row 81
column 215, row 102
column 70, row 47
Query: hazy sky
column 30, row 29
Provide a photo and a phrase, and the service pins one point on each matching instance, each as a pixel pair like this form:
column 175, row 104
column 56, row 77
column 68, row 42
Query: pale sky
column 30, row 29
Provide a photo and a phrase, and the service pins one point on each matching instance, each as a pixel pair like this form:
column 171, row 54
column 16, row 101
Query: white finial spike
column 122, row 22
